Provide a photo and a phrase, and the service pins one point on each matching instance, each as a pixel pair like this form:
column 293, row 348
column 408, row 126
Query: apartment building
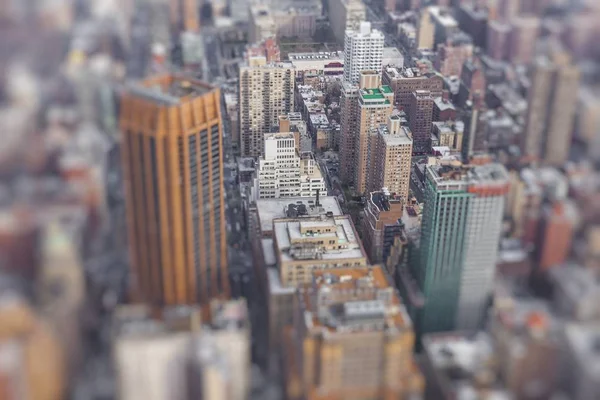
column 381, row 224
column 284, row 172
column 266, row 91
column 363, row 51
column 420, row 117
column 405, row 81
column 391, row 152
column 374, row 108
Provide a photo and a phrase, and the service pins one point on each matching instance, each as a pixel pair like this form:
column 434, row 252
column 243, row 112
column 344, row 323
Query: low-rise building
column 448, row 134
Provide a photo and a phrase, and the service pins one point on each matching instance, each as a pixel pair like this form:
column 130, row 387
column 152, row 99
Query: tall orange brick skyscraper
column 173, row 171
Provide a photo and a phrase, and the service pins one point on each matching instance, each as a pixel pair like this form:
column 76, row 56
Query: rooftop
column 461, row 365
column 456, row 176
column 299, row 238
column 321, row 55
column 353, row 299
column 402, row 137
column 375, row 94
column 443, row 105
column 443, row 16
column 170, row 89
column 270, row 209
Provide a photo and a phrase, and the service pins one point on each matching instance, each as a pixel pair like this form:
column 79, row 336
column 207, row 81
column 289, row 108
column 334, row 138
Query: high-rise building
column 390, row 154
column 462, row 224
column 498, row 39
column 381, row 224
column 266, row 91
column 173, row 172
column 284, row 172
column 344, row 15
column 348, row 125
column 351, row 338
column 363, row 51
column 523, row 37
column 551, row 113
column 405, row 81
column 580, row 359
column 374, row 107
column 420, row 117
column 473, row 20
column 425, row 30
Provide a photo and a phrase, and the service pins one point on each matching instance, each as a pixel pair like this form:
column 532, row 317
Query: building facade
column 173, row 169
column 420, row 117
column 462, row 223
column 266, row 92
column 551, row 112
column 405, row 81
column 284, row 172
column 351, row 339
column 381, row 225
column 391, row 155
column 363, row 51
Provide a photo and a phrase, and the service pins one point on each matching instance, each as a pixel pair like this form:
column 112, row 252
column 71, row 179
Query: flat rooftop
column 170, row 89
column 375, row 305
column 270, row 209
column 457, row 358
column 375, row 93
column 400, row 138
column 296, row 239
column 584, row 340
column 456, row 176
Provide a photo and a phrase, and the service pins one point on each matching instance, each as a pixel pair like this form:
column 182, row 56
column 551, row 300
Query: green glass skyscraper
column 462, row 223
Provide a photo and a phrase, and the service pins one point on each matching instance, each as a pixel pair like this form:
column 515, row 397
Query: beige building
column 391, row 152
column 266, row 91
column 303, row 245
column 362, row 109
column 448, row 134
column 346, row 14
column 375, row 107
column 351, row 339
column 550, row 117
column 176, row 357
column 425, row 31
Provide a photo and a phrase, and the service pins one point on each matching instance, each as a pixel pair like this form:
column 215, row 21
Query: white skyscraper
column 283, row 172
column 363, row 51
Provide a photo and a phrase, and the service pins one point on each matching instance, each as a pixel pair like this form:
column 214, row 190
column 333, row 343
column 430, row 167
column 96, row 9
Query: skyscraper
column 421, row 114
column 363, row 51
column 551, row 112
column 462, row 223
column 266, row 92
column 391, row 158
column 375, row 106
column 173, row 172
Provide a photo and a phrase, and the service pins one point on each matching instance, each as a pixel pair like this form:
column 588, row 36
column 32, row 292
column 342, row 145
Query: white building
column 283, row 172
column 363, row 51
